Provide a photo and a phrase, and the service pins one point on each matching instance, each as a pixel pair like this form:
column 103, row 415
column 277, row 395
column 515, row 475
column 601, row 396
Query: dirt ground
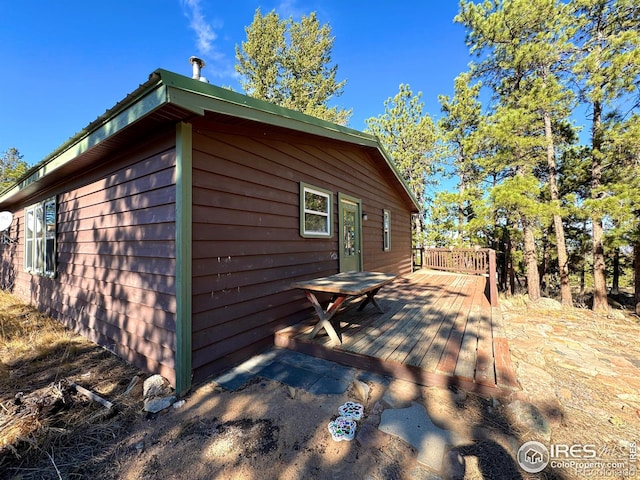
column 579, row 371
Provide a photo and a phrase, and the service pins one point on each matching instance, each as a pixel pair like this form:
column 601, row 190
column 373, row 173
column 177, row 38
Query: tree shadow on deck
column 487, row 441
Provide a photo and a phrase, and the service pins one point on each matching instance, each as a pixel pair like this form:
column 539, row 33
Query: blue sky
column 64, row 63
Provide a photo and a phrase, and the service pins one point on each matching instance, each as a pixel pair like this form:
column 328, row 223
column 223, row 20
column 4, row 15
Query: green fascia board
column 222, row 100
column 164, row 87
column 198, row 96
column 112, row 122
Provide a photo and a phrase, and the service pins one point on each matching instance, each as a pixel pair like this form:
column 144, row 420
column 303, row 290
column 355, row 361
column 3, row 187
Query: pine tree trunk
column 462, row 221
column 561, row 246
column 511, row 269
column 584, row 251
column 600, row 302
column 615, row 279
column 531, row 261
column 508, row 274
column 636, row 273
column 543, row 269
column 418, row 226
column 502, row 265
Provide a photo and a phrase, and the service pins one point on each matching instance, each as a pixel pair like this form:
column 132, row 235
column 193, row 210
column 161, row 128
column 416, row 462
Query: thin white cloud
column 288, row 8
column 218, row 64
column 205, row 35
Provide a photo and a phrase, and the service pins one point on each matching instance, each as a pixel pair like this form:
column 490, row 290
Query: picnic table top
column 347, row 283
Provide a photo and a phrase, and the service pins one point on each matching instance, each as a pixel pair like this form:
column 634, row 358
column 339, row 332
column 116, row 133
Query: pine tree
column 289, row 63
column 525, row 43
column 621, row 185
column 12, row 167
column 517, row 197
column 459, row 130
column 260, row 58
column 607, row 67
column 409, row 136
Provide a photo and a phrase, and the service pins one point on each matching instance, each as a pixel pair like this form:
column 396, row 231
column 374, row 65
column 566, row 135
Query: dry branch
column 93, row 396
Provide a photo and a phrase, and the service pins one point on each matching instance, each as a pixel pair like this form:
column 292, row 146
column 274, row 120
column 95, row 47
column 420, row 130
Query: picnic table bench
column 342, row 286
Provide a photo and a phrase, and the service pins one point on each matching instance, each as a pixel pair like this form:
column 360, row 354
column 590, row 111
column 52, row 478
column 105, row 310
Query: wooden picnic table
column 342, row 286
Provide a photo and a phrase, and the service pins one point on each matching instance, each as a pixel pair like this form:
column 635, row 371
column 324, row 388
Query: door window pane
column 349, row 232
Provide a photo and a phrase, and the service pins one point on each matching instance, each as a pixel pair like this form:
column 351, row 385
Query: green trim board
column 91, row 136
column 195, row 97
column 184, row 214
column 244, row 106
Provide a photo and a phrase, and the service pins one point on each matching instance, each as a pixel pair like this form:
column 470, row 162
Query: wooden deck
column 438, row 329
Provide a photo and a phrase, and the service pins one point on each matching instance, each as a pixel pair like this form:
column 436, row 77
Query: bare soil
column 578, row 369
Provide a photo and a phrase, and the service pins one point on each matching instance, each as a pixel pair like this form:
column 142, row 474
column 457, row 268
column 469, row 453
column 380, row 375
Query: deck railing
column 475, row 261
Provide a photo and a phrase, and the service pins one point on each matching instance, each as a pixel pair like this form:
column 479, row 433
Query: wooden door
column 350, row 234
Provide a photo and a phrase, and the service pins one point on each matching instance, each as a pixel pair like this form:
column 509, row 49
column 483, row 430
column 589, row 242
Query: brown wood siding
column 247, row 249
column 115, row 280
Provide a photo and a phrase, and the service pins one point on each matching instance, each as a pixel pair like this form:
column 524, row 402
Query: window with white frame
column 40, row 237
column 315, row 211
column 386, row 230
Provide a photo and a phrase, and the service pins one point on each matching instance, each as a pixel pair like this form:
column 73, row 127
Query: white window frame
column 386, row 230
column 40, row 221
column 305, row 210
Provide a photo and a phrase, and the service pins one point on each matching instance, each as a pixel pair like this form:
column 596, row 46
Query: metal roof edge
column 224, row 100
column 164, row 87
column 146, row 98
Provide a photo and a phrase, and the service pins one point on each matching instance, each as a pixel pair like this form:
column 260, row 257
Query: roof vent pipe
column 198, row 64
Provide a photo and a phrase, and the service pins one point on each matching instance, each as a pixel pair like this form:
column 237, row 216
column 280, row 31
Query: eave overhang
column 169, row 98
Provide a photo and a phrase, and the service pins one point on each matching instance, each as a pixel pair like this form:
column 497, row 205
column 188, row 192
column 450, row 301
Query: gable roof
column 166, row 98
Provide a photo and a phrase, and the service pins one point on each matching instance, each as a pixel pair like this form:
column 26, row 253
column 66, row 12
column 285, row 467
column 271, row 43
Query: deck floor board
column 405, row 324
column 437, row 328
